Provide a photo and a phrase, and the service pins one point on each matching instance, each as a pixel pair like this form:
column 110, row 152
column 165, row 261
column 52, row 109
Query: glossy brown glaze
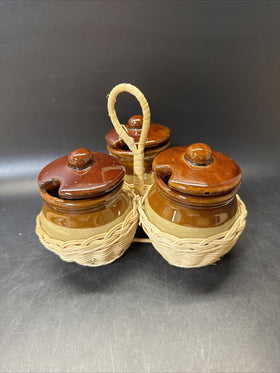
column 197, row 170
column 77, row 206
column 190, row 199
column 82, row 174
column 86, row 213
column 83, row 195
column 136, row 122
column 191, row 215
column 195, row 187
column 157, row 135
column 199, row 154
column 80, row 159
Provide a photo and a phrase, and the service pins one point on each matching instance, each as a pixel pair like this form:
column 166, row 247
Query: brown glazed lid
column 157, row 135
column 81, row 174
column 197, row 170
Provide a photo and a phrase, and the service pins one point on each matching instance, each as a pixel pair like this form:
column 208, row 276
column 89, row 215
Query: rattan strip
column 194, row 252
column 97, row 250
column 138, row 150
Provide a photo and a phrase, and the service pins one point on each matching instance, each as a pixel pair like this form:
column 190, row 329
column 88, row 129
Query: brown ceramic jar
column 82, row 195
column 157, row 141
column 194, row 193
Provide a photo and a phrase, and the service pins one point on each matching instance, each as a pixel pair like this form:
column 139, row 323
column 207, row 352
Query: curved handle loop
column 138, row 151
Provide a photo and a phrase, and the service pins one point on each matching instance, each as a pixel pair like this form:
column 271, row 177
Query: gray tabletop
column 211, row 73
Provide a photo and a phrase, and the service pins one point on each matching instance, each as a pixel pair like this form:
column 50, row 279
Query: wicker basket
column 105, row 248
column 100, row 249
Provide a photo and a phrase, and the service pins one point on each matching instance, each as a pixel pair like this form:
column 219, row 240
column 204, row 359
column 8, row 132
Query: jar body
column 126, row 157
column 80, row 219
column 189, row 220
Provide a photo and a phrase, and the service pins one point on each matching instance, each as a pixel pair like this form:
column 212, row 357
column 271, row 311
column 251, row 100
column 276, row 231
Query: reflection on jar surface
column 186, row 220
column 80, row 219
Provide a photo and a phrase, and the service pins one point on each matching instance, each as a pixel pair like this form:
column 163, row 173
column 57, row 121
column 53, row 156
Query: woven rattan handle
column 138, row 151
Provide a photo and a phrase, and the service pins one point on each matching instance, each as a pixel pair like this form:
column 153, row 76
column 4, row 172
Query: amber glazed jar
column 194, row 194
column 158, row 139
column 82, row 195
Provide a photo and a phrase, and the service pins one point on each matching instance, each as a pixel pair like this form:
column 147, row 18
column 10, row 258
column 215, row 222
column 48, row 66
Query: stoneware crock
column 158, row 139
column 83, row 195
column 194, row 194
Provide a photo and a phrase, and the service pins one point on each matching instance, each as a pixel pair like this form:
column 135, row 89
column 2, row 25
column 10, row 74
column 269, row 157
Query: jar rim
column 194, row 200
column 119, row 152
column 79, row 205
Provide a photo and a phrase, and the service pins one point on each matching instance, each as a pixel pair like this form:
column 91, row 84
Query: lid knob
column 80, row 158
column 199, row 154
column 136, row 122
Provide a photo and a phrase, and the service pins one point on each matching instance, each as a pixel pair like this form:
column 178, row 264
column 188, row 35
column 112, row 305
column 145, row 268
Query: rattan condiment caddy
column 191, row 212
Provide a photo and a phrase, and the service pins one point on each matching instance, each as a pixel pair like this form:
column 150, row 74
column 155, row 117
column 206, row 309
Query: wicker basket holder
column 180, row 252
column 106, row 248
column 100, row 249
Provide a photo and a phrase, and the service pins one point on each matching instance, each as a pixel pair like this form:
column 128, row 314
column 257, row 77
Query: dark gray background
column 211, row 72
